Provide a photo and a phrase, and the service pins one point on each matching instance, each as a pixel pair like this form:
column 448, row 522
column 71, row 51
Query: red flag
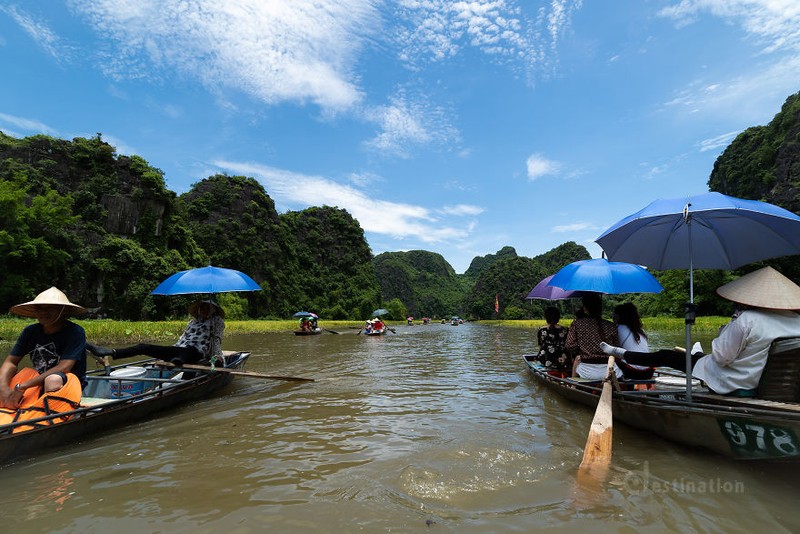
column 496, row 303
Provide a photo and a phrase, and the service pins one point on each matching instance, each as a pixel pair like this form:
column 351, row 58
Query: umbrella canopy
column 206, row 280
column 303, row 314
column 708, row 231
column 379, row 312
column 603, row 276
column 543, row 291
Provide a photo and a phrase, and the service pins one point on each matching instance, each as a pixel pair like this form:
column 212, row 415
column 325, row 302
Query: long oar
column 233, row 372
column 331, row 331
column 597, row 453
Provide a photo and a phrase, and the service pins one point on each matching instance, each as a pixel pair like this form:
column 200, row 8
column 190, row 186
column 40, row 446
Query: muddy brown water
column 433, row 429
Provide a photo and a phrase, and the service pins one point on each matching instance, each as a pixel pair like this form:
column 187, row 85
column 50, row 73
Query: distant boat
column 314, row 332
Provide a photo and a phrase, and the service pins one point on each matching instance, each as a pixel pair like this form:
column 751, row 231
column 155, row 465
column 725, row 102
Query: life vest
column 66, row 399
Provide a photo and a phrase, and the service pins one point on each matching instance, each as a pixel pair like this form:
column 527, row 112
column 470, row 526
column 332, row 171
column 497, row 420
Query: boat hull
column 89, row 420
column 307, row 332
column 742, row 429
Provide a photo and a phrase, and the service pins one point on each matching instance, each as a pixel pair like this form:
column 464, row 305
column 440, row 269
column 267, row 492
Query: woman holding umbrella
column 201, row 340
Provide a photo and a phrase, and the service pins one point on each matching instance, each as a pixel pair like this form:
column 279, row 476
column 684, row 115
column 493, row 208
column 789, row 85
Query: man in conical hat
column 55, row 345
column 766, row 304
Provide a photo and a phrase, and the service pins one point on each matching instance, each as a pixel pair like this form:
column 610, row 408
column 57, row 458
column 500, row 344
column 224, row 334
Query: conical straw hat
column 50, row 297
column 764, row 288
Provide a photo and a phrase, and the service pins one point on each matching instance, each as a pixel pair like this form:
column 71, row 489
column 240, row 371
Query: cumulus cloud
column 397, row 220
column 299, row 51
column 538, row 166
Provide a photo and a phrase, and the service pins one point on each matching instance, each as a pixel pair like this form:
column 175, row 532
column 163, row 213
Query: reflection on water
column 432, row 427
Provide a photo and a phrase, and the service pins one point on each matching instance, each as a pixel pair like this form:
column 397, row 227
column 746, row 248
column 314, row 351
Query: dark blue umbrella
column 206, row 280
column 603, row 276
column 543, row 291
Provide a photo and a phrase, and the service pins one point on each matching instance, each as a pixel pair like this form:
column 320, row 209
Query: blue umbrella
column 707, row 231
column 379, row 312
column 543, row 291
column 603, row 276
column 303, row 314
column 206, row 280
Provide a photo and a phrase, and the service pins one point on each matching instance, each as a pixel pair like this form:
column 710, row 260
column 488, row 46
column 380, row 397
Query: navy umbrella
column 206, row 280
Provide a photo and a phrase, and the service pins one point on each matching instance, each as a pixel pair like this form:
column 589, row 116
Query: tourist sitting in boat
column 552, row 340
column 202, row 339
column 56, row 347
column 377, row 325
column 766, row 302
column 584, row 338
column 632, row 336
column 305, row 325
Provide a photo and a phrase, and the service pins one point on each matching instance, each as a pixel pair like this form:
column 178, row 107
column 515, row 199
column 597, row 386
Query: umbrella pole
column 690, row 311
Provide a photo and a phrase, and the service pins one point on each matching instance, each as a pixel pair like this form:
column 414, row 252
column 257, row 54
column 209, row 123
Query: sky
column 457, row 127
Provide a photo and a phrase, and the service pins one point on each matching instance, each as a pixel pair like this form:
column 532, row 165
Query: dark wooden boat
column 739, row 428
column 315, row 332
column 380, row 332
column 163, row 389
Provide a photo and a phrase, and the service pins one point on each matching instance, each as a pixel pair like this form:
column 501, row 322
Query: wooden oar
column 232, row 371
column 331, row 331
column 597, row 453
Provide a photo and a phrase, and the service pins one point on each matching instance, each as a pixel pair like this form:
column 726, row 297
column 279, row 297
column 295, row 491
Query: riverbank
column 107, row 331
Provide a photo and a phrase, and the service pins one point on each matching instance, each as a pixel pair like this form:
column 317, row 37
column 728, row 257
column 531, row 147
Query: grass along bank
column 108, row 331
column 707, row 325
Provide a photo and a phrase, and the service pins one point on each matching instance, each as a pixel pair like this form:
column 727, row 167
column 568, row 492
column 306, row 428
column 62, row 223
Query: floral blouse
column 552, row 346
column 204, row 335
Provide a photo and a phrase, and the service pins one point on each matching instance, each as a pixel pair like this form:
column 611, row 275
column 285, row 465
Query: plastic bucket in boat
column 127, row 388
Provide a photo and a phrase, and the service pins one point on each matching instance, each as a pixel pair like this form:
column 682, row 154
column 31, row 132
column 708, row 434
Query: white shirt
column 628, row 342
column 739, row 353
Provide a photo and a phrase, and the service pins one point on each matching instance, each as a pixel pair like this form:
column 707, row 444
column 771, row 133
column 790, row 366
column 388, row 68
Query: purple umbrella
column 543, row 291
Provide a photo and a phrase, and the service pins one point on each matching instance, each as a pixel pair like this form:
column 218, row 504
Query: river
column 430, row 429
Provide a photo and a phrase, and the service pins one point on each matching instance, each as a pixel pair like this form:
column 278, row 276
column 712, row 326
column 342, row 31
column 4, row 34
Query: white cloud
column 570, row 228
column 40, row 33
column 436, row 30
column 275, row 51
column 462, row 209
column 406, row 123
column 539, row 166
column 397, row 220
column 31, row 126
column 776, row 23
column 717, row 142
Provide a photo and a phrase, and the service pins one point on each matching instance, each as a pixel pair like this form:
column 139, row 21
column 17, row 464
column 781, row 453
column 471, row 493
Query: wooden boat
column 739, row 428
column 380, row 332
column 315, row 332
column 106, row 403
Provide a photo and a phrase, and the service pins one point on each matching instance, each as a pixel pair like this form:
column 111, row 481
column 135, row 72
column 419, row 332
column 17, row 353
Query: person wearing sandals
column 202, row 339
column 56, row 346
column 766, row 304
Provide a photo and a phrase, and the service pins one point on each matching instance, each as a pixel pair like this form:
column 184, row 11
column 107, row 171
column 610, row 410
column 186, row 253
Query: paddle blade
column 597, row 452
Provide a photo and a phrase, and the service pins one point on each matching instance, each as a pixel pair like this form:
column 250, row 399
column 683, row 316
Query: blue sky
column 457, row 127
